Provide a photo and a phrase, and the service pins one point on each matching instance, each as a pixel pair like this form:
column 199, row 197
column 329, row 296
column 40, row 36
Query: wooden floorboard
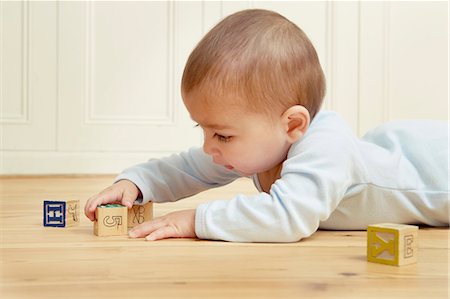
column 41, row 262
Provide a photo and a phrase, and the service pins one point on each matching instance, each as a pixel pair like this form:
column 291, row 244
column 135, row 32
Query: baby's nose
column 209, row 149
column 212, row 151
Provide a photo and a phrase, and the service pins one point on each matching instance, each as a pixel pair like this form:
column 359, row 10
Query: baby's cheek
column 249, row 166
column 248, row 159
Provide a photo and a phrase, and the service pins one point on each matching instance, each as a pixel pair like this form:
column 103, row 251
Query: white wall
column 93, row 87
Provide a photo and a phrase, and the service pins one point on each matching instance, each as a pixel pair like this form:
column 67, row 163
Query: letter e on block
column 61, row 213
column 111, row 220
column 392, row 244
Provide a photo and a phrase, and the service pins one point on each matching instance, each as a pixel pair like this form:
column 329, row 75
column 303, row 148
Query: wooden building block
column 61, row 213
column 392, row 244
column 111, row 220
column 139, row 214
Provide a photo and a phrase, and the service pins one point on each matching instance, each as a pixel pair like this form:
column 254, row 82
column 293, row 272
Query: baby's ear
column 296, row 121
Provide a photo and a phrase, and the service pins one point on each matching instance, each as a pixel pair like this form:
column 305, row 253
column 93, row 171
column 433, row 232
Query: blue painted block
column 54, row 213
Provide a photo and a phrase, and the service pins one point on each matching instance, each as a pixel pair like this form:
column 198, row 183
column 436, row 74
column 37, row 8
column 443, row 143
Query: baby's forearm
column 177, row 176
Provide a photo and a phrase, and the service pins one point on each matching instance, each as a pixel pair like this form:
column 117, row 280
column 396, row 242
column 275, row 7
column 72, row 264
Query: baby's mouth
column 229, row 167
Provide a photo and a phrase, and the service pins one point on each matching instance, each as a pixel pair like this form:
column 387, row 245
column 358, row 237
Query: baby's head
column 252, row 84
column 256, row 60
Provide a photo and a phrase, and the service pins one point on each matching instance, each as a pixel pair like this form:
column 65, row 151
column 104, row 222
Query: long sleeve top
column 331, row 179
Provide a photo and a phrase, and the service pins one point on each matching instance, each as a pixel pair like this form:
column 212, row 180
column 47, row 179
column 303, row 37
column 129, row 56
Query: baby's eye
column 222, row 138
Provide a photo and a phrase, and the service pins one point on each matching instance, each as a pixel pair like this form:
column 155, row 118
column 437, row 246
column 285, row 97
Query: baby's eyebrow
column 215, row 126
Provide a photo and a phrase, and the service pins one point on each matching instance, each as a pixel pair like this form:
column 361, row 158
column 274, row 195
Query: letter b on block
column 139, row 214
column 392, row 244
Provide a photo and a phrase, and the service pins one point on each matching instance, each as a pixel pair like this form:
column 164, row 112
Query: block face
column 72, row 212
column 408, row 247
column 139, row 214
column 392, row 244
column 61, row 213
column 111, row 220
column 382, row 245
column 54, row 213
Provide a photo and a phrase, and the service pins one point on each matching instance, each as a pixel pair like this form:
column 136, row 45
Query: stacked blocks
column 115, row 219
column 139, row 214
column 392, row 244
column 61, row 213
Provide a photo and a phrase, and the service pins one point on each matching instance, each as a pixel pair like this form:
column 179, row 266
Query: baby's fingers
column 162, row 233
column 146, row 228
column 179, row 224
column 123, row 192
column 128, row 198
column 91, row 205
column 97, row 200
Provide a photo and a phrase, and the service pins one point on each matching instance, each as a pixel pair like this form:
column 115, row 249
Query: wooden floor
column 38, row 262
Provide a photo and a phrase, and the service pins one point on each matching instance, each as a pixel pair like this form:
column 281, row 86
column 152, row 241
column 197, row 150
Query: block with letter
column 111, row 220
column 61, row 213
column 139, row 214
column 392, row 244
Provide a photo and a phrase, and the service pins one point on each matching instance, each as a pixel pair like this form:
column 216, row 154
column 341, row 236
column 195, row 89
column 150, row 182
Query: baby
column 254, row 85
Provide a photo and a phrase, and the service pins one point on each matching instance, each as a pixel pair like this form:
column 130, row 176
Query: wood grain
column 42, row 262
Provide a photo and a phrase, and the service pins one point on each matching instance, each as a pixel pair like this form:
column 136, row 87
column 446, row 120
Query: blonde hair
column 256, row 58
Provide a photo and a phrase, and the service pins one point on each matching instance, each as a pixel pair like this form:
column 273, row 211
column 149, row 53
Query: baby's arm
column 177, row 176
column 162, row 180
column 170, row 179
column 293, row 209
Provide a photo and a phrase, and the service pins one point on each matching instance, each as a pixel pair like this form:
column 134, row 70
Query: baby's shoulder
column 328, row 121
column 328, row 126
column 327, row 134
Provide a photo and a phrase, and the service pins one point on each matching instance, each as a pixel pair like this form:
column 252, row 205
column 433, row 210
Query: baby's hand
column 179, row 224
column 123, row 192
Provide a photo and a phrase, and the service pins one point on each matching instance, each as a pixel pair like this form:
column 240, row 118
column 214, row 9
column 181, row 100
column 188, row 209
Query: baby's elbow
column 292, row 234
column 296, row 230
column 290, row 238
column 294, row 237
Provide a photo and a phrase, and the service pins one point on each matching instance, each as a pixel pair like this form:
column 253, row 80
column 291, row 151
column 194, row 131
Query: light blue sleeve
column 177, row 176
column 314, row 179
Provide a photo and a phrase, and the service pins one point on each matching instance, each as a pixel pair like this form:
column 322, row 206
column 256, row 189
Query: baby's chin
column 241, row 173
column 245, row 173
column 248, row 171
column 256, row 171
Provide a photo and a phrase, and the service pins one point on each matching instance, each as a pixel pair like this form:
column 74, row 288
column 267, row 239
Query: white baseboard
column 34, row 163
